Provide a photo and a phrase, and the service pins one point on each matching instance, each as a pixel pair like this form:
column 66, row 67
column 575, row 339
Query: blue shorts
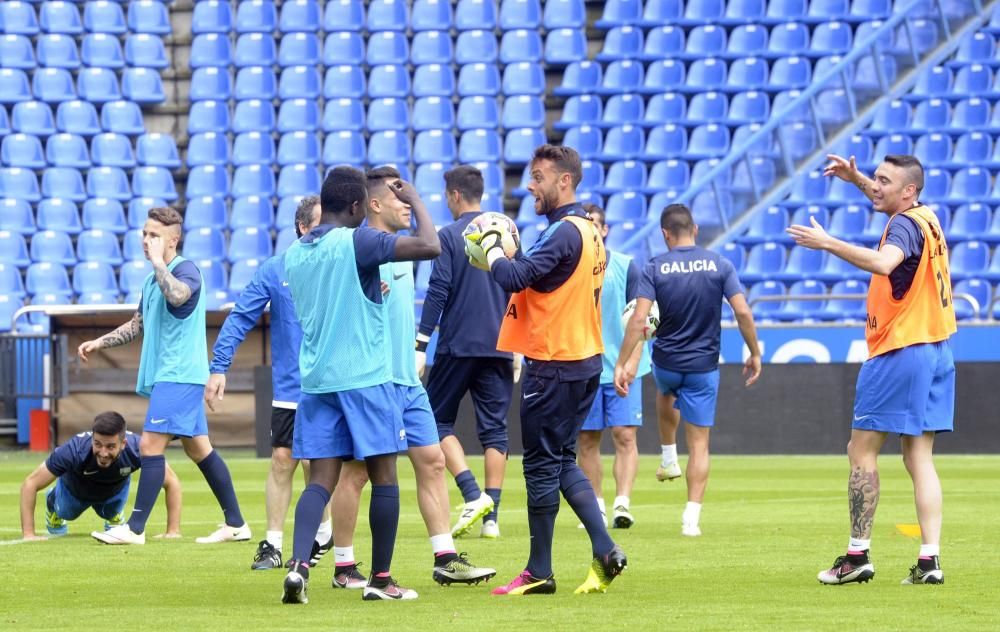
column 177, row 409
column 610, row 410
column 418, row 420
column 358, row 423
column 69, row 507
column 696, row 393
column 908, row 391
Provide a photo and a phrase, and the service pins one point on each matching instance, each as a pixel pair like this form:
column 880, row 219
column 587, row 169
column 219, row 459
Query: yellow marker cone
column 909, row 530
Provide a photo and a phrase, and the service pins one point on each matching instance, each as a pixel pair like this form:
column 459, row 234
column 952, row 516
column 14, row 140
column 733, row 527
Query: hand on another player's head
column 404, row 191
column 844, row 168
column 751, row 369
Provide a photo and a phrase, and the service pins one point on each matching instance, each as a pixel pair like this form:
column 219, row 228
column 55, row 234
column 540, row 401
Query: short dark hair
column 109, row 424
column 566, row 159
column 304, row 211
column 467, row 180
column 166, row 215
column 344, row 185
column 375, row 178
column 593, row 209
column 676, row 219
column 912, row 166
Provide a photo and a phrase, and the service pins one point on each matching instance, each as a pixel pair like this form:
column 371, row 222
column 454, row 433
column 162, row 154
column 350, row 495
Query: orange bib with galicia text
column 564, row 324
column 925, row 313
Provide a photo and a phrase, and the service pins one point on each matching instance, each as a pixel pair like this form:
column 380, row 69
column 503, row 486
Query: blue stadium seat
column 624, row 142
column 16, row 52
column 521, row 78
column 104, row 214
column 388, row 15
column 523, row 111
column 930, row 115
column 431, row 47
column 212, row 16
column 658, row 12
column 933, row 149
column 22, row 150
column 99, row 245
column 211, row 84
column 799, row 139
column 473, row 47
column 343, row 48
column 668, row 107
column 827, row 11
column 780, row 11
column 736, row 254
column 625, row 206
column 802, row 263
column 754, row 175
column 925, row 37
column 67, row 150
column 132, row 248
column 749, row 107
column 744, row 12
column 790, row 73
column 52, row 85
column 848, row 222
column 286, row 236
column 146, row 51
column 708, row 40
column 52, row 247
column 893, row 144
column 558, row 14
column 891, row 117
column 108, row 182
column 18, row 18
column 748, row 40
column 11, row 284
column 343, row 114
column 16, row 216
column 112, row 150
column 104, row 16
column 565, row 46
column 665, row 75
column 132, row 275
column 253, row 115
column 476, row 14
column 298, row 115
column 204, row 243
column 972, row 80
column 429, row 177
column 480, row 145
column 520, row 144
column 971, row 298
column 622, row 76
column 13, row 249
column 804, row 215
column 662, row 42
column 863, row 10
column 299, row 49
column 876, row 226
column 708, row 141
column 434, row 145
column 833, row 108
column 249, row 243
column 587, row 140
column 388, row 146
column 582, row 77
column 215, row 300
column 300, row 16
column 344, row 15
column 768, row 224
column 253, row 180
column 520, row 14
column 100, row 50
column 253, row 211
column 205, row 212
column 428, row 113
column 937, row 184
column 933, row 82
column 437, row 80
column 969, row 114
column 623, row 42
column 992, row 272
column 150, row 16
column 296, row 147
column 836, row 269
column 621, row 109
column 155, row 182
column 970, row 222
column 256, row 16
column 98, row 85
column 969, row 259
column 208, row 116
column 294, row 179
column 299, row 82
column 493, row 177
column 388, row 81
column 207, row 180
column 973, row 148
column 787, row 40
column 254, row 82
column 766, row 310
column 19, row 183
column 477, row 112
column 703, row 12
column 970, row 184
column 47, row 277
column 803, row 308
column 60, row 17
column 479, row 80
column 979, row 47
column 344, row 147
column 58, row 51
column 665, row 142
column 214, row 275
column 61, row 182
column 943, row 214
column 14, row 86
column 210, row 50
column 157, row 150
column 704, row 75
column 255, row 49
column 241, row 273
column 432, row 15
column 388, row 47
column 59, row 215
column 707, row 107
column 830, row 38
column 667, row 175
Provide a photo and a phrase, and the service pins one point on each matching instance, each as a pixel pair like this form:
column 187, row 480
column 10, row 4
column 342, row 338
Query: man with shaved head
column 907, row 385
column 173, row 369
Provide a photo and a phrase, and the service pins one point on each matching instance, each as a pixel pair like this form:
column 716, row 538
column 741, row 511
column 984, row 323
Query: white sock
column 857, row 544
column 275, row 538
column 442, row 543
column 600, row 505
column 622, row 501
column 343, row 555
column 930, row 550
column 669, row 454
column 325, row 532
column 692, row 513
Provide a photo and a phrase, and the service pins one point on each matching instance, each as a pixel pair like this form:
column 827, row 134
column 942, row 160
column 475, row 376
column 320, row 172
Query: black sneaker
column 386, row 588
column 319, row 550
column 349, row 577
column 296, row 582
column 266, row 558
column 926, row 572
column 459, row 569
column 847, row 569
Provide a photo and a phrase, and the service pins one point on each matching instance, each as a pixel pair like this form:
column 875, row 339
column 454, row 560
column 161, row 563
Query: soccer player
column 554, row 320
column 907, row 384
column 467, row 360
column 348, row 403
column 92, row 471
column 269, row 287
column 173, row 369
column 622, row 416
column 388, row 213
column 688, row 284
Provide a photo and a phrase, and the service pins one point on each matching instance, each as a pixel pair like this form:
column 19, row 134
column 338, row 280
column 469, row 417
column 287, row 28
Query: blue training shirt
column 621, row 282
column 905, row 234
column 75, row 465
column 468, row 303
column 688, row 285
column 268, row 286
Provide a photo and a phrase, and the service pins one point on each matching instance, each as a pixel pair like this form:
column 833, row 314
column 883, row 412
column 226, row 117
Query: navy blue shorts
column 358, row 423
column 418, row 420
column 177, row 409
column 610, row 410
column 282, row 426
column 69, row 507
column 696, row 393
column 908, row 391
column 490, row 381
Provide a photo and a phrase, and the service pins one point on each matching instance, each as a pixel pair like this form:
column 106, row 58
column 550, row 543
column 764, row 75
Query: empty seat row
column 105, row 150
column 956, row 82
column 934, row 114
column 68, row 183
column 60, row 214
column 97, row 85
column 96, row 50
column 99, row 16
column 72, row 117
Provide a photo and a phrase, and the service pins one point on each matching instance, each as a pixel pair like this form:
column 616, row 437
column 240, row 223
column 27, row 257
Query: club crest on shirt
column 124, row 471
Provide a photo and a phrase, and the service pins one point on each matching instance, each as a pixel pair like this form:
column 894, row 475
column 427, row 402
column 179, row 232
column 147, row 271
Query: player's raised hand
column 215, row 389
column 155, row 248
column 844, row 168
column 814, row 236
column 751, row 369
column 404, row 191
column 86, row 348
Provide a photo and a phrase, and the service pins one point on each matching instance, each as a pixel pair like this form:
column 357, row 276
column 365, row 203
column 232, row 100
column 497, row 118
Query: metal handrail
column 76, row 310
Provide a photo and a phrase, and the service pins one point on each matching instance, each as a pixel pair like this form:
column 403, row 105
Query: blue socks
column 217, row 476
column 466, row 482
column 383, row 519
column 494, row 493
column 150, row 482
column 579, row 493
column 541, row 524
column 308, row 515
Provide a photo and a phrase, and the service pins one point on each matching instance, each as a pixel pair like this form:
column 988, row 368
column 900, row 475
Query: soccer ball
column 652, row 319
column 509, row 238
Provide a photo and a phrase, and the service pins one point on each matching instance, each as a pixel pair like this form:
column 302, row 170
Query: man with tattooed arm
column 173, row 369
column 907, row 385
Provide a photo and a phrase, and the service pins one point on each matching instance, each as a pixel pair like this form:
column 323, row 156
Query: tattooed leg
column 862, row 494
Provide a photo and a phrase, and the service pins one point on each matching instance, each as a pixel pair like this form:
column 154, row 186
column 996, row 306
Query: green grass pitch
column 770, row 524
